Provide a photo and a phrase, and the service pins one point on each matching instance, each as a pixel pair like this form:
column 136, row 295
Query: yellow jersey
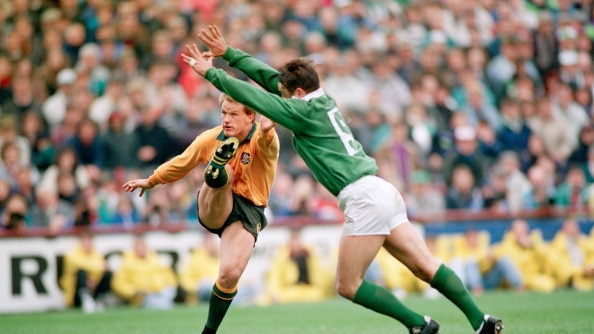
column 254, row 163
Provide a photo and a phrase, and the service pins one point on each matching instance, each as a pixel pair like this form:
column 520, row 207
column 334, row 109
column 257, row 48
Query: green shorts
column 252, row 217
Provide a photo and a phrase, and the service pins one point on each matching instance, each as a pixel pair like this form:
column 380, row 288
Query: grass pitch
column 560, row 312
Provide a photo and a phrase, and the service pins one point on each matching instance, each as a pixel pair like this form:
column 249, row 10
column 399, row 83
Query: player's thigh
column 407, row 245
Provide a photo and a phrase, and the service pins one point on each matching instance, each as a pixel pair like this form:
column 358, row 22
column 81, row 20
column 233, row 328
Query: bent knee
column 229, row 278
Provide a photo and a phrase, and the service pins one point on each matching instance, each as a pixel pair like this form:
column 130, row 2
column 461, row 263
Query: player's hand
column 266, row 123
column 143, row 184
column 213, row 38
column 199, row 63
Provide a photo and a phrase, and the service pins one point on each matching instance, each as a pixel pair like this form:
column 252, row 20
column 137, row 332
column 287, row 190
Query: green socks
column 451, row 286
column 218, row 305
column 381, row 300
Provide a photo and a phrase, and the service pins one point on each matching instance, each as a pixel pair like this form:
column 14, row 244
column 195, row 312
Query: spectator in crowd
column 516, row 182
column 9, row 133
column 349, row 87
column 111, row 49
column 545, row 44
column 86, row 277
column 478, row 108
column 504, row 66
column 557, row 136
column 156, row 145
column 570, row 111
column 75, row 35
column 515, row 132
column 541, row 191
column 43, row 152
column 482, row 269
column 120, row 145
column 198, row 275
column 66, row 162
column 15, row 214
column 54, row 108
column 464, row 193
column 529, row 253
column 394, row 94
column 92, row 69
column 466, row 153
column 422, row 129
column 131, row 30
column 488, row 143
column 88, row 146
column 103, row 106
column 399, row 156
column 68, row 126
column 495, row 191
column 583, row 97
column 572, row 256
column 143, row 279
column 11, row 165
column 282, row 199
column 67, row 188
column 424, row 198
column 296, row 274
column 164, row 92
column 51, row 211
column 125, row 214
column 156, row 211
column 23, row 98
column 585, row 141
column 573, row 192
column 200, row 115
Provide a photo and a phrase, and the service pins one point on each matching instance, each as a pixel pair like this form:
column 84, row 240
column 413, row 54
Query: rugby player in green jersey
column 375, row 212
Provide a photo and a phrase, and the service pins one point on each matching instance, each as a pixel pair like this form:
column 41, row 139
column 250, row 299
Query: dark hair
column 299, row 73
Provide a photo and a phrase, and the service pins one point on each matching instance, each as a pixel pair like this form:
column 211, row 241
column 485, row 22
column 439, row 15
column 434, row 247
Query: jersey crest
column 245, row 158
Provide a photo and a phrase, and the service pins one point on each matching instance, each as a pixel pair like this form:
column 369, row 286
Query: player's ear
column 299, row 92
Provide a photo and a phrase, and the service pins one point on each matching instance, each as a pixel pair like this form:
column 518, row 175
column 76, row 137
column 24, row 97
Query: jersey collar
column 222, row 136
column 313, row 95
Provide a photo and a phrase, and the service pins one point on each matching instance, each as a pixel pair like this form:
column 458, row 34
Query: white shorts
column 371, row 206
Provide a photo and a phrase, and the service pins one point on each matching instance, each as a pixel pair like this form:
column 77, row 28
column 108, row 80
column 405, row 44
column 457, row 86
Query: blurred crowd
column 299, row 272
column 466, row 104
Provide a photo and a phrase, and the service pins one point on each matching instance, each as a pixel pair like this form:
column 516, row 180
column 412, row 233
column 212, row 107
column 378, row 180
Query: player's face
column 236, row 121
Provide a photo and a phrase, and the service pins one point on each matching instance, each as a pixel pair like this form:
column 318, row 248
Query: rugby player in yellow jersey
column 242, row 155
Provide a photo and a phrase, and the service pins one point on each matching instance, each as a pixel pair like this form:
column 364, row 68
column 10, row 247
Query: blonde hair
column 224, row 97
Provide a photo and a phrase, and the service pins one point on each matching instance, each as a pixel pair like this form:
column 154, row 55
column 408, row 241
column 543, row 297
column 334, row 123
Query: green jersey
column 320, row 134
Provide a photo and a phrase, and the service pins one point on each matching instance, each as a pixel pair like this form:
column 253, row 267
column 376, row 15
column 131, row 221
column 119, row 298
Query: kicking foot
column 430, row 327
column 215, row 175
column 490, row 325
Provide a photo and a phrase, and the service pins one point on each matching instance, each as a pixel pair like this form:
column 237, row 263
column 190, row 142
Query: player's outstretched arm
column 212, row 37
column 143, row 184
